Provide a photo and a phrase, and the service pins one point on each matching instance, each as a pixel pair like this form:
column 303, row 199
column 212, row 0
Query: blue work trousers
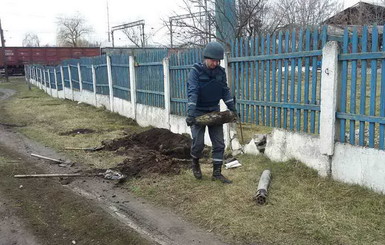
column 216, row 136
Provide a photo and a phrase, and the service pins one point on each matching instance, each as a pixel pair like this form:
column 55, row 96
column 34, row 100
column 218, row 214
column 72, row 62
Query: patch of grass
column 302, row 207
column 46, row 118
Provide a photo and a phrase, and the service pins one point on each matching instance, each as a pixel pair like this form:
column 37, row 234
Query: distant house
column 355, row 17
column 359, row 14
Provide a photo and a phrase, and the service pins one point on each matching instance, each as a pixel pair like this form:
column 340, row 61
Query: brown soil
column 153, row 151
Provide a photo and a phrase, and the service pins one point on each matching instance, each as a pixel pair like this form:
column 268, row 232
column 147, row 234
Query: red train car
column 17, row 57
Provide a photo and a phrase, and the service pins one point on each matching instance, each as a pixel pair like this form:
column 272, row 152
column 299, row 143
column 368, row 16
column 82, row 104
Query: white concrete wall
column 151, row 116
column 87, row 97
column 60, row 94
column 359, row 165
column 102, row 100
column 123, row 107
column 67, row 93
column 78, row 96
column 283, row 145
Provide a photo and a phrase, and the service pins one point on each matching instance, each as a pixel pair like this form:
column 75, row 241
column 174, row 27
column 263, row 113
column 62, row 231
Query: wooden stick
column 85, row 148
column 47, row 158
column 55, row 175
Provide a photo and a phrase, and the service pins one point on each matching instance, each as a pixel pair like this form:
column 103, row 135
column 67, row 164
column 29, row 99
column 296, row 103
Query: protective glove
column 190, row 120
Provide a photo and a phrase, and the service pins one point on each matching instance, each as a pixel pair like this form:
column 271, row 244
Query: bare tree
column 31, row 40
column 305, row 13
column 200, row 24
column 72, row 31
column 251, row 17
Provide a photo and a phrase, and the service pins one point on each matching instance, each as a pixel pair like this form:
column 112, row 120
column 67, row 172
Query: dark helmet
column 214, row 50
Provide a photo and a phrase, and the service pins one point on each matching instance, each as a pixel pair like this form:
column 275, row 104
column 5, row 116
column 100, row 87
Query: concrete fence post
column 44, row 81
column 228, row 126
column 62, row 81
column 110, row 87
column 49, row 82
column 132, row 84
column 40, row 79
column 56, row 86
column 94, row 84
column 80, row 79
column 35, row 76
column 329, row 92
column 167, row 90
column 70, row 79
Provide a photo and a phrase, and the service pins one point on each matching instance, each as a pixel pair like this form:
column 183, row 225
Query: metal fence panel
column 121, row 76
column 361, row 112
column 180, row 64
column 51, row 73
column 150, row 78
column 59, row 79
column 73, row 66
column 275, row 79
column 86, row 72
column 100, row 64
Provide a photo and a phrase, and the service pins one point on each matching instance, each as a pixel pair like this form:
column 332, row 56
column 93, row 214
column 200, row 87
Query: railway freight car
column 17, row 57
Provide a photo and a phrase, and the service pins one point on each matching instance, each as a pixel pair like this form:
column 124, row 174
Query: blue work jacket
column 206, row 87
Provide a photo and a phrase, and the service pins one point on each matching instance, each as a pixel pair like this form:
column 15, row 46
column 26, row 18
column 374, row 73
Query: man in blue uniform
column 206, row 86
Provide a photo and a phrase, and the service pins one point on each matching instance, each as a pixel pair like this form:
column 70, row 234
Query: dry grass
column 45, row 119
column 302, row 207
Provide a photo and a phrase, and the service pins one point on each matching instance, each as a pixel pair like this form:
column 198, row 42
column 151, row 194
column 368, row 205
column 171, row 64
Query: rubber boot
column 196, row 168
column 217, row 174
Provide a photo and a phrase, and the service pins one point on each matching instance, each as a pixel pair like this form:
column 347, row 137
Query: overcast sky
column 19, row 17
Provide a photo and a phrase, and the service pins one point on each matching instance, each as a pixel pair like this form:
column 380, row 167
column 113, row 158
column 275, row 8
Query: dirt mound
column 162, row 140
column 152, row 151
column 141, row 163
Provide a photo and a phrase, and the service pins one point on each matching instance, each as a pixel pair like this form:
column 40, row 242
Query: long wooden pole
column 47, row 158
column 55, row 175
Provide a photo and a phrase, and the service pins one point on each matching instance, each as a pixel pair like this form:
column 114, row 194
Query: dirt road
column 76, row 211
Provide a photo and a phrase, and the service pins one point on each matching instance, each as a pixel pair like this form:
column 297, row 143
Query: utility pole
column 127, row 26
column 108, row 23
column 3, row 52
column 182, row 17
column 207, row 22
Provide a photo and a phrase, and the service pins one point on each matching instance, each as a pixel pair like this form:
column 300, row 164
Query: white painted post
column 132, row 84
column 70, row 79
column 49, row 83
column 228, row 126
column 62, row 81
column 35, row 76
column 110, row 88
column 329, row 91
column 57, row 89
column 41, row 82
column 44, row 81
column 94, row 84
column 80, row 78
column 167, row 92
